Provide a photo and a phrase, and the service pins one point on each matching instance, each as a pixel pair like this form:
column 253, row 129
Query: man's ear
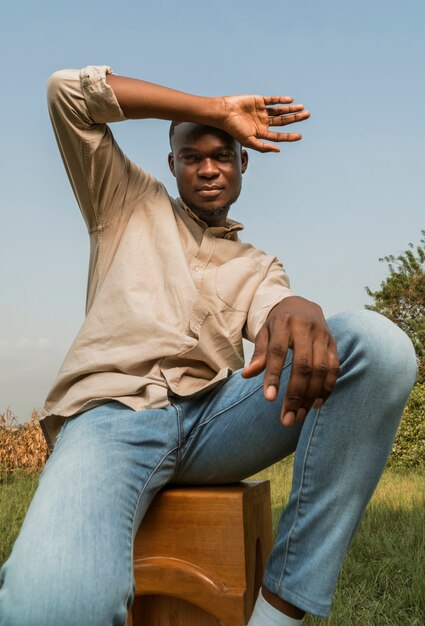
column 244, row 160
column 171, row 163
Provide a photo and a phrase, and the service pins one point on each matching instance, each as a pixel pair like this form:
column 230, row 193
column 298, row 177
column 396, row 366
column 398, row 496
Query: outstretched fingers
column 248, row 119
column 283, row 115
column 272, row 100
column 276, row 111
column 262, row 146
column 274, row 136
column 280, row 116
column 291, row 118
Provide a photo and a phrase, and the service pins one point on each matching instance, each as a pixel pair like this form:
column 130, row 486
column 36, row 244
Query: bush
column 401, row 297
column 409, row 446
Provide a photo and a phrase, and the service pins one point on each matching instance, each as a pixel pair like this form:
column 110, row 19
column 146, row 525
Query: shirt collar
column 230, row 231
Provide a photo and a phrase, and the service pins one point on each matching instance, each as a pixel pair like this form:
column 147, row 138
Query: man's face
column 208, row 165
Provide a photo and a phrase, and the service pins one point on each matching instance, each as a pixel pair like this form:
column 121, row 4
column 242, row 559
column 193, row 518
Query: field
column 382, row 582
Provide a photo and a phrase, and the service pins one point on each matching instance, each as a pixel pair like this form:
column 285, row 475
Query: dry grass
column 22, row 446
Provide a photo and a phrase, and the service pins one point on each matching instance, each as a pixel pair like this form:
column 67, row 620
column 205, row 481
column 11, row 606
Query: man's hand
column 248, row 120
column 298, row 324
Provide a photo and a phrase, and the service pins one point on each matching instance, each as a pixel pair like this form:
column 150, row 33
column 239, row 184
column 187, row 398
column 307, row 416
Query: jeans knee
column 376, row 344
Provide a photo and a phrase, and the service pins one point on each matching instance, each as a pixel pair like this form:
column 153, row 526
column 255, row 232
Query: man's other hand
column 298, row 324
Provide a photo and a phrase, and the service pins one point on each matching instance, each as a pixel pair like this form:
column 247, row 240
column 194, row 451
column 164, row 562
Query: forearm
column 139, row 99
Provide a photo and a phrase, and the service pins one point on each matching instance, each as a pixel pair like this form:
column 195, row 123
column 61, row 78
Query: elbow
column 55, row 86
column 59, row 87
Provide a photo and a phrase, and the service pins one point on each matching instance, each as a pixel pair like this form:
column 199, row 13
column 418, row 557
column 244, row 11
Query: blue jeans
column 72, row 561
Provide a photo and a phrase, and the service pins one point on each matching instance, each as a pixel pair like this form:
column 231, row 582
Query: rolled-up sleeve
column 104, row 180
column 274, row 288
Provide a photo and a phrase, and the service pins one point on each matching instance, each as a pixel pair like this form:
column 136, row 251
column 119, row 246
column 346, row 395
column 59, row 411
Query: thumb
column 259, row 357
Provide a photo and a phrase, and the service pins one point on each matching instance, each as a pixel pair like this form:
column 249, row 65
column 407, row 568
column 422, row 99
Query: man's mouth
column 209, row 191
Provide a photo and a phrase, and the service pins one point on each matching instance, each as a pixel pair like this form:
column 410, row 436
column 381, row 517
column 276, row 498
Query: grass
column 382, row 582
column 16, row 491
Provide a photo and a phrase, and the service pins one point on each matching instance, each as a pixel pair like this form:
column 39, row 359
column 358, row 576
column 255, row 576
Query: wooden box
column 199, row 555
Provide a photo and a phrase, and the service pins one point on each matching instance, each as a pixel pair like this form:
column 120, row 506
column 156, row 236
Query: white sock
column 265, row 614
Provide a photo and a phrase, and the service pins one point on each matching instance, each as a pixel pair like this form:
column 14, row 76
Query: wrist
column 218, row 110
column 208, row 111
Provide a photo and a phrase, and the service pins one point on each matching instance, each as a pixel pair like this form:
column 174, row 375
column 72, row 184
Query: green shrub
column 409, row 446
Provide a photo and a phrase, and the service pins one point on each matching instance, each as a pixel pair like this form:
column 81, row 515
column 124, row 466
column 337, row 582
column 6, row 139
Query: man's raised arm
column 247, row 118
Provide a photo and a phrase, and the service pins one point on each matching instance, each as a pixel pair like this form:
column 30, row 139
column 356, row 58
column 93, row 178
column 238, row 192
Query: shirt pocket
column 236, row 282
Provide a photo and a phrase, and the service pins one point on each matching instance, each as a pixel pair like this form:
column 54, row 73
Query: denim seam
column 221, row 412
column 180, row 429
column 176, row 476
column 296, row 516
column 134, row 515
column 231, row 406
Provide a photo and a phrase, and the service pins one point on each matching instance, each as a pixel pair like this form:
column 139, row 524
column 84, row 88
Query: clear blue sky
column 329, row 206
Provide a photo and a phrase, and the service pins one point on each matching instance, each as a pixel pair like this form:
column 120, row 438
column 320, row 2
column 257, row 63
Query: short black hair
column 173, row 127
column 171, row 131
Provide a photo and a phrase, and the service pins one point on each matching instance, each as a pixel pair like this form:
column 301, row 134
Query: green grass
column 16, row 492
column 382, row 582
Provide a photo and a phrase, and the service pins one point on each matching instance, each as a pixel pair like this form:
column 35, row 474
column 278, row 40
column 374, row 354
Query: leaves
column 401, row 297
column 409, row 446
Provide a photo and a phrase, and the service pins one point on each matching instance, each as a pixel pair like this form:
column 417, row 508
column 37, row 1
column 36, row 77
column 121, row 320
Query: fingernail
column 318, row 403
column 301, row 413
column 271, row 392
column 288, row 418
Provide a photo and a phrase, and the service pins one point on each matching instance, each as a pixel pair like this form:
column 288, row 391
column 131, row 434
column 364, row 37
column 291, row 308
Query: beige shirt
column 168, row 298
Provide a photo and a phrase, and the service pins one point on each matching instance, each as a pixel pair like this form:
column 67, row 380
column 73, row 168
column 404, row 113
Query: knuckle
column 335, row 371
column 321, row 371
column 281, row 317
column 294, row 399
column 277, row 351
column 303, row 368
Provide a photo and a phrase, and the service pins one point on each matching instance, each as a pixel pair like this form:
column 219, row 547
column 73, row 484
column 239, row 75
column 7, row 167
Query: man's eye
column 224, row 156
column 190, row 158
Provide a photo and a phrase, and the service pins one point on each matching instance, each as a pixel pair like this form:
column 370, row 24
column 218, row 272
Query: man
column 151, row 391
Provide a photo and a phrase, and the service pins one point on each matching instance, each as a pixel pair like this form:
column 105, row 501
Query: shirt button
column 197, row 268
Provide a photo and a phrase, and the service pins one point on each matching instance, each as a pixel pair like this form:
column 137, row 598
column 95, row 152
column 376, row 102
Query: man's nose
column 208, row 168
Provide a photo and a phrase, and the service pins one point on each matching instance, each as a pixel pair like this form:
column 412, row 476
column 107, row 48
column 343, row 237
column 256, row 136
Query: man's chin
column 206, row 213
